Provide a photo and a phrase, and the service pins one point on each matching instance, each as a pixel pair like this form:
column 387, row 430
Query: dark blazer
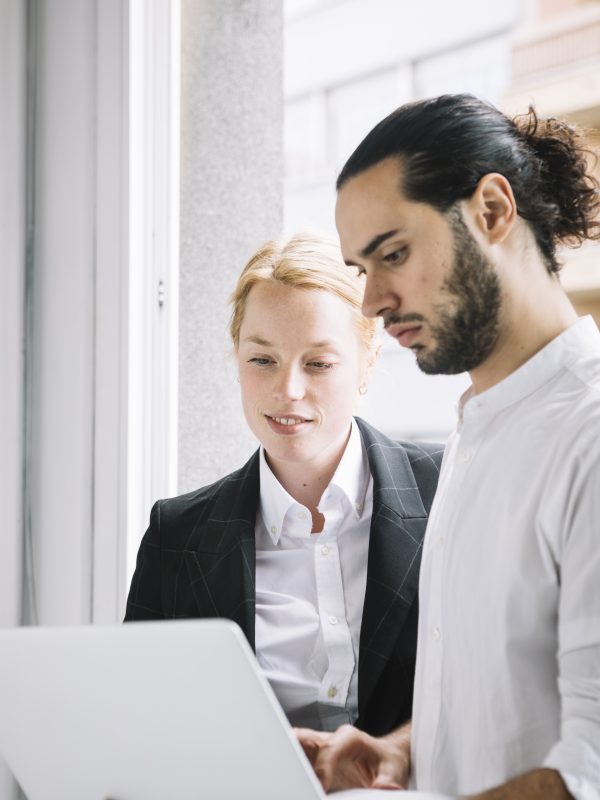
column 197, row 559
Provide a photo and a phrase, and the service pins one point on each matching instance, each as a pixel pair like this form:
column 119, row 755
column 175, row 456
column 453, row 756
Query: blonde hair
column 306, row 261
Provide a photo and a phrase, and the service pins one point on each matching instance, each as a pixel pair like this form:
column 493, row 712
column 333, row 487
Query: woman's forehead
column 315, row 316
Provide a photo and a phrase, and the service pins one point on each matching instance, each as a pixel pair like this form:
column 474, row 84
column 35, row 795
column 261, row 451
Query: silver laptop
column 146, row 711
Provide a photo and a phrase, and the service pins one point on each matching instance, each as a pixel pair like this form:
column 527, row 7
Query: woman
column 313, row 546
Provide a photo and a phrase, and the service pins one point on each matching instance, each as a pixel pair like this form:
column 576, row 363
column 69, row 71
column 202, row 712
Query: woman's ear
column 372, row 356
column 492, row 207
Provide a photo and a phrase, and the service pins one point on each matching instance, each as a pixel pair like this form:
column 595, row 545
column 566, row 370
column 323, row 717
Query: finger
column 310, row 735
column 380, row 783
column 390, row 776
column 310, row 741
column 337, row 768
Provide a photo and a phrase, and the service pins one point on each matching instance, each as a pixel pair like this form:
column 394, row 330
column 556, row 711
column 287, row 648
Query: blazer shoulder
column 238, row 490
column 427, row 455
column 425, row 460
column 421, row 459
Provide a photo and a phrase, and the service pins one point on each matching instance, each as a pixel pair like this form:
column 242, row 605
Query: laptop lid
column 145, row 711
column 149, row 711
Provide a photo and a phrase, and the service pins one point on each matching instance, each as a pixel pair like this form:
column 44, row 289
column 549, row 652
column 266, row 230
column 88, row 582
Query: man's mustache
column 401, row 319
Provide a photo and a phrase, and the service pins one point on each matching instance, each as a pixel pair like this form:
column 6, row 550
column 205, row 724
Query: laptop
column 147, row 711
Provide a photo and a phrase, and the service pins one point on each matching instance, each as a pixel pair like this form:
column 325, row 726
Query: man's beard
column 467, row 320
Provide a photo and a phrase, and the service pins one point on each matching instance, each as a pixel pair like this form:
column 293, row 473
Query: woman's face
column 300, row 364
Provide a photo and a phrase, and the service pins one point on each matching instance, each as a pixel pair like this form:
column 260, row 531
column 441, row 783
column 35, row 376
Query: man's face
column 426, row 275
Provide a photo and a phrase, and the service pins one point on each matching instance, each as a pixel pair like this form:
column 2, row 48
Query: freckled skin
column 291, row 376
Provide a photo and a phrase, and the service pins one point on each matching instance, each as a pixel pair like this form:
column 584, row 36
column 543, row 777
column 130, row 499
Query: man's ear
column 492, row 207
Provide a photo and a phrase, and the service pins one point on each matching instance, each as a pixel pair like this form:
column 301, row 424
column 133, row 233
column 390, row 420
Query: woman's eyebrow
column 313, row 346
column 258, row 340
column 324, row 343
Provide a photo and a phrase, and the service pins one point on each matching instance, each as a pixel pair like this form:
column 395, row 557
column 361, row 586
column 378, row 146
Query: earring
column 362, row 389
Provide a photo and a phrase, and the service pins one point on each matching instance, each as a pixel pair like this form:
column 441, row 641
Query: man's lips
column 405, row 333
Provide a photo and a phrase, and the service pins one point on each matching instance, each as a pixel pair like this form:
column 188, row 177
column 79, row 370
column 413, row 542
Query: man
column 454, row 213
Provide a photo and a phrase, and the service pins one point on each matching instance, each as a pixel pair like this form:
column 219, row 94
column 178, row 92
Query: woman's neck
column 306, row 481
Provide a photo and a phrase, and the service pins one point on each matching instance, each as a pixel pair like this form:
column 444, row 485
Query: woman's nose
column 290, row 384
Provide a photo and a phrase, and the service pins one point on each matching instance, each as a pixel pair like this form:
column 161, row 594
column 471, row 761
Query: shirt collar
column 351, row 478
column 578, row 340
column 352, row 474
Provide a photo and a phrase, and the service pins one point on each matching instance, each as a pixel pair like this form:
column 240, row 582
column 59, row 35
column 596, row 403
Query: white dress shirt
column 310, row 591
column 508, row 659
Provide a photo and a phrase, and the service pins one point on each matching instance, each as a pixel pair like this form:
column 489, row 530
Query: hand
column 351, row 759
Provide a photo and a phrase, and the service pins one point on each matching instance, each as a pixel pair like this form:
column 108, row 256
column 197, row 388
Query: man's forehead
column 385, row 176
column 370, row 207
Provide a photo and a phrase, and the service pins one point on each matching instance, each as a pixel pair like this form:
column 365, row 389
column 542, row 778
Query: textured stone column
column 231, row 201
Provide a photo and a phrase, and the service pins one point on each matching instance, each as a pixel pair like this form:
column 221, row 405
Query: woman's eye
column 261, row 362
column 320, row 365
column 360, row 271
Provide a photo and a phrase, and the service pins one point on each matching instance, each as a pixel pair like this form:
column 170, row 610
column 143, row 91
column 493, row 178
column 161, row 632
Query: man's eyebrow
column 375, row 242
column 372, row 246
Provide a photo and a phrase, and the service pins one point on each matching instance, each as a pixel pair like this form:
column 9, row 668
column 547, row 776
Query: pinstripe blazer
column 197, row 559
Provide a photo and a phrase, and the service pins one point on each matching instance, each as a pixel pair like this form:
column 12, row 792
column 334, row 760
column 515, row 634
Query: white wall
column 340, row 42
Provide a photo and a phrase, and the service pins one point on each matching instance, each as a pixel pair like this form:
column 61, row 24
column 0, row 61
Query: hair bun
column 571, row 192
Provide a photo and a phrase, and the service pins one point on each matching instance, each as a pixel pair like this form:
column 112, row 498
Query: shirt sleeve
column 579, row 788
column 577, row 754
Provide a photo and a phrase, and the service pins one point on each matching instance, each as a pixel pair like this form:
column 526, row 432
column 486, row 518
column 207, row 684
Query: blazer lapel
column 397, row 529
column 221, row 551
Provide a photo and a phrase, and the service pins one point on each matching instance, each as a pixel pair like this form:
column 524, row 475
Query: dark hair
column 449, row 143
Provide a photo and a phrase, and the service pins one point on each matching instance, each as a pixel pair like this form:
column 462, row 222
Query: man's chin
column 430, row 365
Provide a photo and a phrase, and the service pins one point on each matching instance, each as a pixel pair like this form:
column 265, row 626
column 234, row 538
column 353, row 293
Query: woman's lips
column 287, row 424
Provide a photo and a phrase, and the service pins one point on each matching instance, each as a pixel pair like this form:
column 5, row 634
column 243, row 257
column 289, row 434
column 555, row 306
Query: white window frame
column 137, row 257
column 154, row 137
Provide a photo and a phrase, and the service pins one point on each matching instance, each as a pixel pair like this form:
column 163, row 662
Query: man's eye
column 396, row 256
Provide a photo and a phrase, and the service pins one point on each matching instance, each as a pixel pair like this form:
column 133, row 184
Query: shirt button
column 440, row 542
column 331, row 692
column 466, row 456
column 301, row 515
column 273, row 528
column 333, row 620
column 436, row 634
column 324, row 550
column 358, row 508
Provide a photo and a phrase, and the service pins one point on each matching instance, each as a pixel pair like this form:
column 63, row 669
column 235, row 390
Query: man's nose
column 377, row 298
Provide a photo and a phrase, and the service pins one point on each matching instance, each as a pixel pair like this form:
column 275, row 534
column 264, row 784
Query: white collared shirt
column 310, row 591
column 508, row 659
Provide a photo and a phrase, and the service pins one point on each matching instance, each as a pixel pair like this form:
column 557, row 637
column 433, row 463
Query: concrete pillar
column 231, row 201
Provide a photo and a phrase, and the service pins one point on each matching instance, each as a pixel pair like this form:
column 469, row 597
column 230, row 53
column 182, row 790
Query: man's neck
column 529, row 323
